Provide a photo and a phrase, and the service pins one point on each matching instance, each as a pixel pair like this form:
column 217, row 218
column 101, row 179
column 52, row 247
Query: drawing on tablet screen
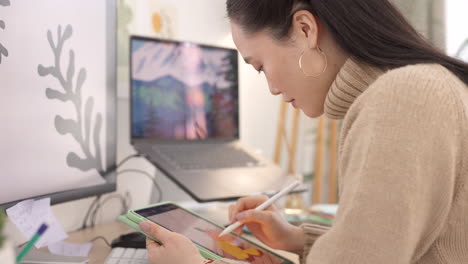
column 205, row 234
column 229, row 247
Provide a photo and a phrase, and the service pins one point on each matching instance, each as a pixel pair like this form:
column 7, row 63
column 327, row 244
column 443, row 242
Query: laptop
column 184, row 100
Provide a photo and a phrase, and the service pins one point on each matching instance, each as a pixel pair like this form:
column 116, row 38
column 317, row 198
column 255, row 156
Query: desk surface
column 111, row 231
column 100, row 249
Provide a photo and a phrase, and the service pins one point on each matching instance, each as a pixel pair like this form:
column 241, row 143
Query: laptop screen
column 182, row 90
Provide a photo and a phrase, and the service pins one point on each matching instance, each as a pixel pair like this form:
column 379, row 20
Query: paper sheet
column 28, row 215
column 330, row 209
column 69, row 249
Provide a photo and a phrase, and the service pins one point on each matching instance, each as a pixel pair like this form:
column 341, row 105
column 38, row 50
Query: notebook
column 185, row 120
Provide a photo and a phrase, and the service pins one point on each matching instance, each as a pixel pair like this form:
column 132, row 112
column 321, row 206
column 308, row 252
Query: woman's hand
column 175, row 248
column 268, row 225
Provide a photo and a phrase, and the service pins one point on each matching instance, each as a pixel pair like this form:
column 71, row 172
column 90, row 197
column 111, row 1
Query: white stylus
column 262, row 206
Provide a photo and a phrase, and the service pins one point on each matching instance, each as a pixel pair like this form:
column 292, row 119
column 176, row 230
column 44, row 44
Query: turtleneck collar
column 351, row 81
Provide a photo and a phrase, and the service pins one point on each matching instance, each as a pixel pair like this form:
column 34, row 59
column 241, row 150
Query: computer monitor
column 182, row 90
column 58, row 102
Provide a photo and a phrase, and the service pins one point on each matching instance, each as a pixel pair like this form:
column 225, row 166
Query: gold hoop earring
column 321, row 53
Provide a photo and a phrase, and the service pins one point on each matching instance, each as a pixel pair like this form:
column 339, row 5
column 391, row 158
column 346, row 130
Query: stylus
column 262, row 206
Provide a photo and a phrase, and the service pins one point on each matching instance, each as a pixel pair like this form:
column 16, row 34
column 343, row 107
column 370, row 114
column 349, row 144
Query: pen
column 262, row 206
column 31, row 242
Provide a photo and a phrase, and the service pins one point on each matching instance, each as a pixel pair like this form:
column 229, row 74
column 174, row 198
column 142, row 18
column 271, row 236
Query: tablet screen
column 205, row 234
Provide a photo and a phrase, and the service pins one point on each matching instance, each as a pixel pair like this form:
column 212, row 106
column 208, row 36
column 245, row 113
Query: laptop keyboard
column 128, row 256
column 206, row 156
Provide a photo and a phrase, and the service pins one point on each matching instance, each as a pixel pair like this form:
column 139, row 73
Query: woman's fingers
column 250, row 202
column 151, row 244
column 245, row 203
column 255, row 216
column 156, row 231
column 239, row 231
column 152, row 248
column 231, row 213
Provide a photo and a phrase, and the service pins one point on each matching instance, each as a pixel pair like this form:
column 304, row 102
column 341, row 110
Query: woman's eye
column 260, row 70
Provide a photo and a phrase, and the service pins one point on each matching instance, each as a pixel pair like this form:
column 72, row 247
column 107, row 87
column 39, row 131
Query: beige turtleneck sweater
column 403, row 175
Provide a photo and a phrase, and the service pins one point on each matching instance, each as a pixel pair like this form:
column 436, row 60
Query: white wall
column 457, row 24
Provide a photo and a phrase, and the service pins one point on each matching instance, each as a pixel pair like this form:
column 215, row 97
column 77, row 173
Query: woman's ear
column 305, row 26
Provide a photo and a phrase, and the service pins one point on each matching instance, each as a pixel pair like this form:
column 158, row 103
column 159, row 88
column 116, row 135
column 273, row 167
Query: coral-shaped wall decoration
column 3, row 50
column 82, row 130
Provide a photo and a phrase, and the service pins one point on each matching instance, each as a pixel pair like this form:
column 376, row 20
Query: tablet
column 203, row 233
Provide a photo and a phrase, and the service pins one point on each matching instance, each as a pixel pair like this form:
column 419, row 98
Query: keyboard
column 206, row 156
column 120, row 255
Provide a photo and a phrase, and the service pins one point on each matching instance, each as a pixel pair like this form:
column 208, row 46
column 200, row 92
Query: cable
column 124, row 200
column 126, row 159
column 94, row 207
column 96, row 201
column 128, row 201
column 102, row 238
column 110, row 197
column 152, row 178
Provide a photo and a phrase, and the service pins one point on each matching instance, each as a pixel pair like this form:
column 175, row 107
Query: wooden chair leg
column 293, row 142
column 280, row 132
column 333, row 153
column 318, row 168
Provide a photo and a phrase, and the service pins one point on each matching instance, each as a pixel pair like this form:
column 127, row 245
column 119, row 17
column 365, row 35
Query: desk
column 100, row 249
column 111, row 231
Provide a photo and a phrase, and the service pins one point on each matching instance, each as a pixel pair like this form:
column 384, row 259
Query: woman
column 404, row 142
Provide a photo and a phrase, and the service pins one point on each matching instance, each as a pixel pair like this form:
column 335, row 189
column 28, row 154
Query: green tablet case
column 132, row 219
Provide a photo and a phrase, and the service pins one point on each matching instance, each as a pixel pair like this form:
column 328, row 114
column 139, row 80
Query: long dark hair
column 373, row 31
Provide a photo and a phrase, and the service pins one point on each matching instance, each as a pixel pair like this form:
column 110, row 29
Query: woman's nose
column 273, row 90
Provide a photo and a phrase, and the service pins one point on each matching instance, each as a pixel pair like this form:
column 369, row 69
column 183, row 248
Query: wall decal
column 81, row 128
column 162, row 24
column 3, row 49
column 161, row 18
